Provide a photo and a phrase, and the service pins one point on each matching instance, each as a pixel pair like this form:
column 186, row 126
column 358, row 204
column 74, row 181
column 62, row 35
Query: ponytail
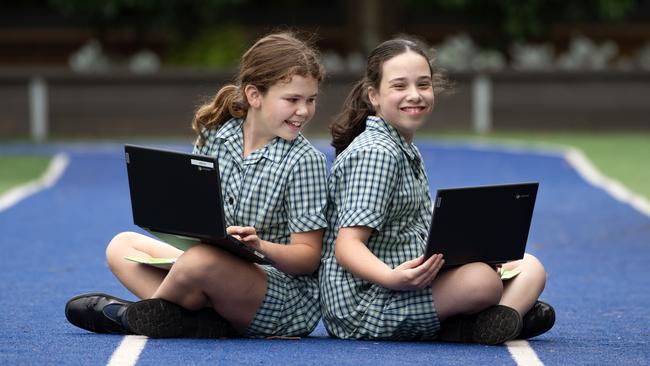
column 357, row 107
column 351, row 122
column 272, row 59
column 228, row 103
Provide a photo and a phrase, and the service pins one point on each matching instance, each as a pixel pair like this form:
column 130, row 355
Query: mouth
column 413, row 109
column 295, row 125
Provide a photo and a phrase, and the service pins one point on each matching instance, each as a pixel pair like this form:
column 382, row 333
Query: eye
column 291, row 100
column 311, row 100
column 399, row 86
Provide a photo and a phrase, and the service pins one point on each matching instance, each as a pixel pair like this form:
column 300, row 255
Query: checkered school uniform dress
column 379, row 182
column 278, row 189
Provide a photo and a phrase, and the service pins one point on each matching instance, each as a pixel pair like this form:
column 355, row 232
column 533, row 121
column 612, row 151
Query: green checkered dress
column 378, row 182
column 279, row 189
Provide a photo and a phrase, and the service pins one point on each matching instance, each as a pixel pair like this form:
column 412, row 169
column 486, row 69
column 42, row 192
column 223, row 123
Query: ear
column 253, row 96
column 372, row 96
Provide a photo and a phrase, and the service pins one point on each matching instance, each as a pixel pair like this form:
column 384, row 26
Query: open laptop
column 487, row 224
column 177, row 197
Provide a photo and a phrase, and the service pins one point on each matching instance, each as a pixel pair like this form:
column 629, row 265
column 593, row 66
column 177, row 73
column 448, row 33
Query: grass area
column 15, row 170
column 622, row 156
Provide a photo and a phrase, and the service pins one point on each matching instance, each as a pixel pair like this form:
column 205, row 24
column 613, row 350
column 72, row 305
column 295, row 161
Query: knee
column 482, row 285
column 199, row 263
column 534, row 269
column 117, row 248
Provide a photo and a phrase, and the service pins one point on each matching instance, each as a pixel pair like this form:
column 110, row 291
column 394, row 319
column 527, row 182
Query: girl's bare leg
column 465, row 290
column 206, row 276
column 522, row 291
column 141, row 280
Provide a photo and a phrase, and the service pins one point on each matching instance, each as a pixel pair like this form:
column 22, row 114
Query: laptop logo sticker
column 201, row 163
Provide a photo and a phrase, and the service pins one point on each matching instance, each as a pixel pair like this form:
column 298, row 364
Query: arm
column 305, row 202
column 353, row 254
column 300, row 257
column 371, row 178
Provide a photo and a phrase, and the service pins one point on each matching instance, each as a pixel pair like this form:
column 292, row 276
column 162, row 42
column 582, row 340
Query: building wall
column 120, row 104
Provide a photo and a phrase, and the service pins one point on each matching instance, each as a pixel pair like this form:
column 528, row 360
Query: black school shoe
column 97, row 313
column 494, row 325
column 538, row 320
column 158, row 318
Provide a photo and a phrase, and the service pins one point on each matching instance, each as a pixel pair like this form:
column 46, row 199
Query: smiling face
column 284, row 109
column 405, row 95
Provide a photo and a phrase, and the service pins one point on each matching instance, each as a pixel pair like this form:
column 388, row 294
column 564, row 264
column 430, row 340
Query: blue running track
column 595, row 249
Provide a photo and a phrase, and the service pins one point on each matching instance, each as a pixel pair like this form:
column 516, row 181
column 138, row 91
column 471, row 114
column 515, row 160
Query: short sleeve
column 369, row 180
column 307, row 193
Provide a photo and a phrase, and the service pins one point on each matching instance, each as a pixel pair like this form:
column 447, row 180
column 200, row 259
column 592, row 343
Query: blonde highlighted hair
column 274, row 58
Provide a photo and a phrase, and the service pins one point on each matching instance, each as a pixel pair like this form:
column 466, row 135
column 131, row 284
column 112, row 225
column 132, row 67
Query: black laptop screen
column 175, row 192
column 487, row 224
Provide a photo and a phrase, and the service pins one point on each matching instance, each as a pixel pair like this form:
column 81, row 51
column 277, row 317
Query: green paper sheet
column 181, row 242
column 164, row 263
column 506, row 275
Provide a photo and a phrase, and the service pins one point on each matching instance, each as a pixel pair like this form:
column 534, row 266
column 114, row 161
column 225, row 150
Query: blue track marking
column 595, row 249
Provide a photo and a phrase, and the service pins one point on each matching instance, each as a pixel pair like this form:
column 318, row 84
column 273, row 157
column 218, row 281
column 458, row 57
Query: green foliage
column 175, row 16
column 214, row 47
column 186, row 26
column 522, row 19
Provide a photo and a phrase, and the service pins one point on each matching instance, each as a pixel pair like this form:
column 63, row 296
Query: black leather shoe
column 92, row 312
column 158, row 318
column 494, row 325
column 538, row 320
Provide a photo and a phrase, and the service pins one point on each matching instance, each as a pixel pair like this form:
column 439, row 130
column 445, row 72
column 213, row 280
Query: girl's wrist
column 265, row 247
column 385, row 278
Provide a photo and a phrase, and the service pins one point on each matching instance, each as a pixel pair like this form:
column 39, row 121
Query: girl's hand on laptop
column 415, row 274
column 247, row 235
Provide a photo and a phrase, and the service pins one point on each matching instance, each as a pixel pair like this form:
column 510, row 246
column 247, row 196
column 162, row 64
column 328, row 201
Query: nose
column 302, row 109
column 414, row 94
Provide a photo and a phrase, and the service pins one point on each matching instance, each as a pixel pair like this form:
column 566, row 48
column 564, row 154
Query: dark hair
column 357, row 107
column 273, row 58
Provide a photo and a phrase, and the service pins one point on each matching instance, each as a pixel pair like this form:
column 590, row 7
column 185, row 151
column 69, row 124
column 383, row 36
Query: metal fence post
column 482, row 104
column 38, row 109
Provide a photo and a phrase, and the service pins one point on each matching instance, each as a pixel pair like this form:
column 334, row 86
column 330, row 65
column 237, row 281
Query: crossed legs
column 473, row 287
column 521, row 292
column 202, row 276
column 466, row 290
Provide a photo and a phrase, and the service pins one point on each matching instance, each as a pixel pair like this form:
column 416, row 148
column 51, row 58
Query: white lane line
column 593, row 176
column 522, row 353
column 54, row 171
column 128, row 352
column 574, row 157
